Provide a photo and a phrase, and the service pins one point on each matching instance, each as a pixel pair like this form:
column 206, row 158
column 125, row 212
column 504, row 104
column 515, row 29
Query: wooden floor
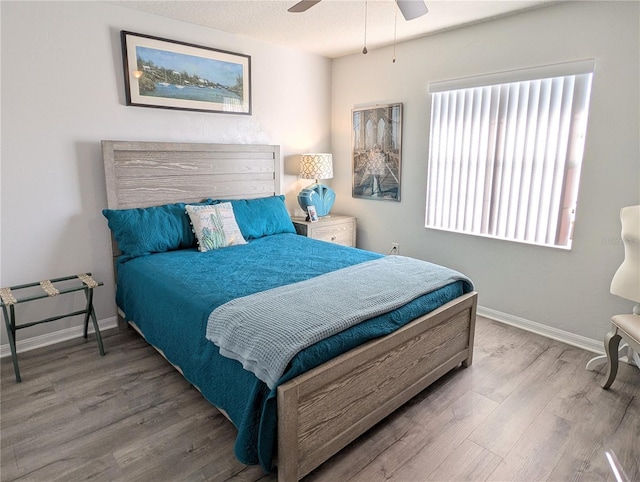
column 525, row 410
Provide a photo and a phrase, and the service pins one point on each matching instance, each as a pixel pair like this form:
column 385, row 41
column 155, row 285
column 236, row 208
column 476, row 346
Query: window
column 505, row 153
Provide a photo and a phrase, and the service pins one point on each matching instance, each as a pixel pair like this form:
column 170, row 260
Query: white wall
column 565, row 290
column 63, row 92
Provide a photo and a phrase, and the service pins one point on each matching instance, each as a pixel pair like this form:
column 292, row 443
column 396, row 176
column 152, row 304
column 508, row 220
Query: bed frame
column 363, row 385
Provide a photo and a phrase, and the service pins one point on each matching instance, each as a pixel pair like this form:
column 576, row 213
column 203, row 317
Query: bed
column 332, row 391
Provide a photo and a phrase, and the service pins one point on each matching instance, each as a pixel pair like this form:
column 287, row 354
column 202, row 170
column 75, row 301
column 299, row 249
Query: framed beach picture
column 177, row 75
column 377, row 151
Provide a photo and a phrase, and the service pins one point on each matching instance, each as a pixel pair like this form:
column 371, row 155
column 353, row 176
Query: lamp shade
column 316, row 166
column 626, row 281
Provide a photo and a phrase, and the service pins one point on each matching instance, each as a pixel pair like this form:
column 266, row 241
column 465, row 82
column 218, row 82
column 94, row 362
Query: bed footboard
column 323, row 410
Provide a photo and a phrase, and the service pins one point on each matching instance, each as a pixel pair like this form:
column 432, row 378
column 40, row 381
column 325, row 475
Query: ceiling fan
column 410, row 8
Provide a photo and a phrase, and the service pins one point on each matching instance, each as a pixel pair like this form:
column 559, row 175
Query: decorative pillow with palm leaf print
column 214, row 226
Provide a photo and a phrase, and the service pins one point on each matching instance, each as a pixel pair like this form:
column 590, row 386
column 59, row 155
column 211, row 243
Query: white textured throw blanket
column 264, row 331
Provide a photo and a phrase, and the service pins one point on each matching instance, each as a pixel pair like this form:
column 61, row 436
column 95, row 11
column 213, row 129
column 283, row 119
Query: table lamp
column 317, row 166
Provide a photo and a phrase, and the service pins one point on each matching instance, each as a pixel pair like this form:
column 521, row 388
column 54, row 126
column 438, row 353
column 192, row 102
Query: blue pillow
column 156, row 229
column 261, row 217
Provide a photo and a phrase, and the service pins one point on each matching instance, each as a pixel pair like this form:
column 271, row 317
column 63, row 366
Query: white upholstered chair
column 626, row 284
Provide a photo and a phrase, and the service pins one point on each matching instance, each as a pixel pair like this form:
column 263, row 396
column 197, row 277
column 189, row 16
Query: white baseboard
column 55, row 337
column 595, row 346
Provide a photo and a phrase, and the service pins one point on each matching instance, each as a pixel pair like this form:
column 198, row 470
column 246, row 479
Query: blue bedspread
column 170, row 295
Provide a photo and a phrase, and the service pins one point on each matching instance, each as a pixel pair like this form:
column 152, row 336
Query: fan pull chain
column 364, row 50
column 395, row 34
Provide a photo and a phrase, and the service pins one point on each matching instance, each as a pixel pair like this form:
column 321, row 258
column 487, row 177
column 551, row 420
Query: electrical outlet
column 395, row 248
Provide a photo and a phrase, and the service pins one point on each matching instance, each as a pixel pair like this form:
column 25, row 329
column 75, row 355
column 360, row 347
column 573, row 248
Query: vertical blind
column 505, row 158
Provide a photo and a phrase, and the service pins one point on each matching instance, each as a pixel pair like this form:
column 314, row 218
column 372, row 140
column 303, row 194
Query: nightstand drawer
column 334, row 229
column 338, row 233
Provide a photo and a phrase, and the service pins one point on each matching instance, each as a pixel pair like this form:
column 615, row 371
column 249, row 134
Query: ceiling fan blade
column 412, row 8
column 303, row 6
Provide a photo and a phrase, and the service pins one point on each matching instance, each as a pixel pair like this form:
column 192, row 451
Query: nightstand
column 334, row 228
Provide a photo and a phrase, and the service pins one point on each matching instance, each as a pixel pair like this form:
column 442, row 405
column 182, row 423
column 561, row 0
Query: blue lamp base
column 318, row 195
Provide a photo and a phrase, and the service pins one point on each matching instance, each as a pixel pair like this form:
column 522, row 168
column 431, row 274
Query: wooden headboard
column 142, row 174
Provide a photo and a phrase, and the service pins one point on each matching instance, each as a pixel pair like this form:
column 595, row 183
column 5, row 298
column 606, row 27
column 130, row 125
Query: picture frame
column 312, row 213
column 377, row 152
column 170, row 74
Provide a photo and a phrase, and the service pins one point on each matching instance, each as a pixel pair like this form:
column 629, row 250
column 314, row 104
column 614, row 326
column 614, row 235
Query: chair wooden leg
column 611, row 342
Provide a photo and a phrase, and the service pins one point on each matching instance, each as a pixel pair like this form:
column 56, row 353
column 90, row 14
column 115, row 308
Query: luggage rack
column 9, row 298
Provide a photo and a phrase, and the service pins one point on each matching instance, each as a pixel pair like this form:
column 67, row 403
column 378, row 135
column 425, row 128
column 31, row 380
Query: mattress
column 170, row 295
